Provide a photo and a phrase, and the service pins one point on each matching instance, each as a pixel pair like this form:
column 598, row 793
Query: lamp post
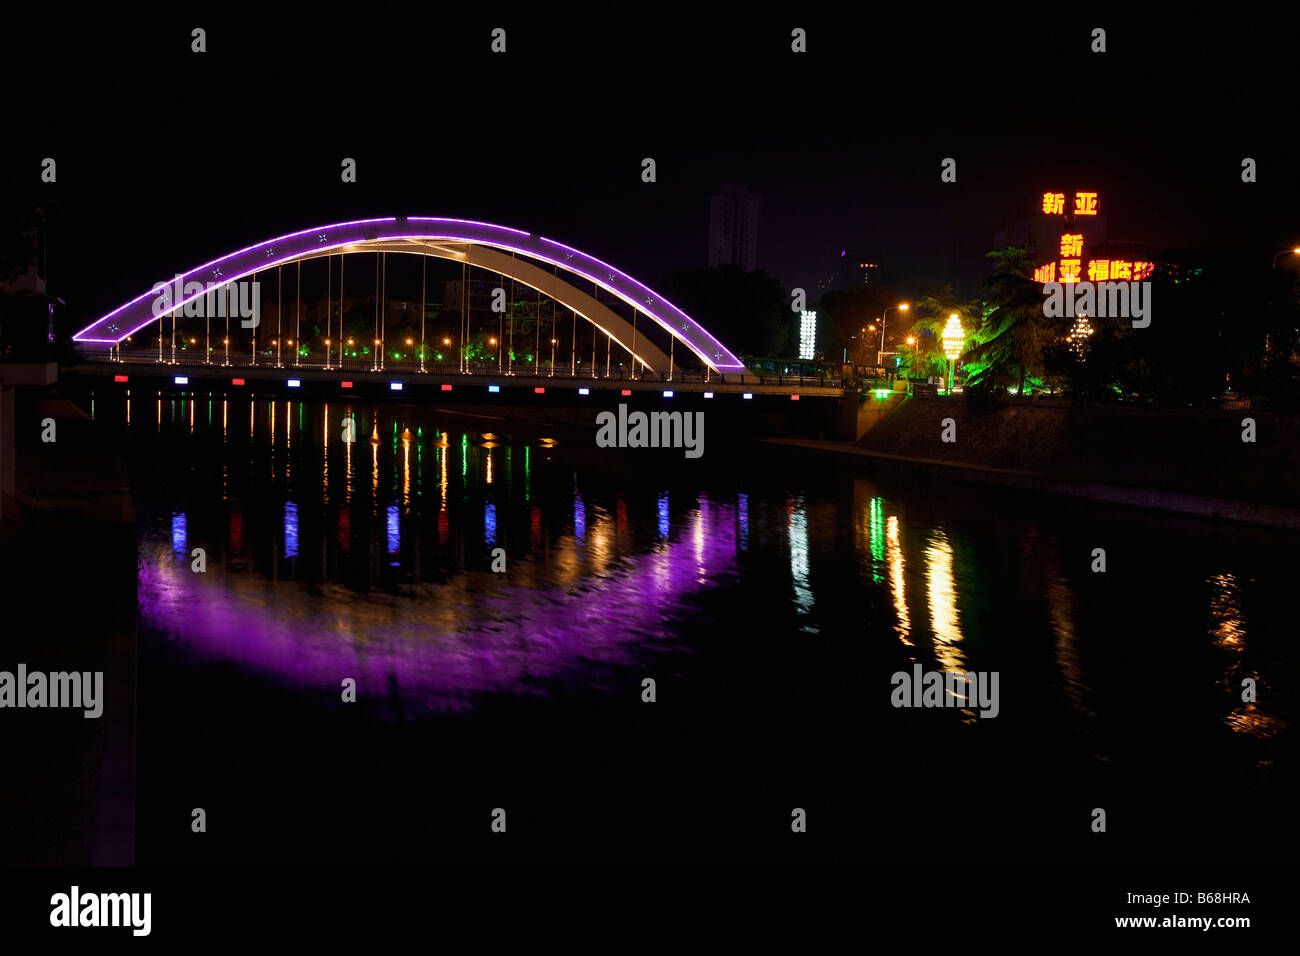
column 1283, row 253
column 954, row 342
column 880, row 355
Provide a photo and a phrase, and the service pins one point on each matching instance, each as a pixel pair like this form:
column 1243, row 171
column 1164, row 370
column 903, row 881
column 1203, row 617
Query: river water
column 770, row 601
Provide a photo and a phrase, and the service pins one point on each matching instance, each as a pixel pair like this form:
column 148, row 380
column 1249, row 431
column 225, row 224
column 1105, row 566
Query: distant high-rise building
column 857, row 270
column 733, row 228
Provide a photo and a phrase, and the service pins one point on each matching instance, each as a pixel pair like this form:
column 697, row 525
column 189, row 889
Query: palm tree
column 1009, row 344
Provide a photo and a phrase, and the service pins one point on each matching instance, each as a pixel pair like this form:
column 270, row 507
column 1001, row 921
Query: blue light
column 490, row 522
column 579, row 522
column 708, row 394
column 668, row 393
column 294, row 383
column 290, row 529
column 584, row 391
column 663, row 516
column 748, row 395
column 395, row 386
column 178, row 533
column 182, row 380
column 494, row 388
column 394, row 531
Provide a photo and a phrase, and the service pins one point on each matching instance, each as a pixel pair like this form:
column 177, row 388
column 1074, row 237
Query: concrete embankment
column 1184, row 461
column 68, row 562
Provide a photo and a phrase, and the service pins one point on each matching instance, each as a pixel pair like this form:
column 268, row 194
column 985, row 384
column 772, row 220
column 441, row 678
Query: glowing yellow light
column 1085, row 204
column 954, row 337
column 904, row 306
column 1143, row 269
column 1045, row 273
column 1119, row 269
column 1053, row 203
column 1070, row 269
column 1071, row 245
column 1099, row 270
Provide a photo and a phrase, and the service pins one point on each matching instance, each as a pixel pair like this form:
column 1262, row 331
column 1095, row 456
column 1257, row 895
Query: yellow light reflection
column 894, row 554
column 942, row 592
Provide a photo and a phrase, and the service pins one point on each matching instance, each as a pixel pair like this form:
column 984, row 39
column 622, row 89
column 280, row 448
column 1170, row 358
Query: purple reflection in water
column 448, row 643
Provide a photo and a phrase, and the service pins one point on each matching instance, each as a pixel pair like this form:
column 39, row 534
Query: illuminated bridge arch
column 498, row 249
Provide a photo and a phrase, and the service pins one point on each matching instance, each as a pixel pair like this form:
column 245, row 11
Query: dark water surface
column 770, row 601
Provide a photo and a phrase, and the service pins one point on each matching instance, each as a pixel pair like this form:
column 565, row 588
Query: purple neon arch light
column 136, row 314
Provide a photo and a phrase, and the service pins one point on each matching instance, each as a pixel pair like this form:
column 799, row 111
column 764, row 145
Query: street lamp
column 954, row 343
column 880, row 356
column 1283, row 253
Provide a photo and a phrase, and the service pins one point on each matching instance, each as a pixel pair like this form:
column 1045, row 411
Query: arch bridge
column 543, row 264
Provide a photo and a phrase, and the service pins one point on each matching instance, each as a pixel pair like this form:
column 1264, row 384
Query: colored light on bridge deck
column 446, row 388
column 395, row 386
column 626, row 392
column 882, row 392
column 494, row 388
column 668, row 393
column 584, row 391
column 708, row 394
column 119, row 378
column 748, row 395
column 794, row 398
column 539, row 390
column 347, row 384
column 182, row 380
column 294, row 383
column 236, row 381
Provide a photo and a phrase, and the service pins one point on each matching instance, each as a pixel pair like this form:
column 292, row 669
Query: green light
column 877, row 517
column 882, row 392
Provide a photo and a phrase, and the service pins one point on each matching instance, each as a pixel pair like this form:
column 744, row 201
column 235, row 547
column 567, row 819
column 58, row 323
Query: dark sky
column 167, row 159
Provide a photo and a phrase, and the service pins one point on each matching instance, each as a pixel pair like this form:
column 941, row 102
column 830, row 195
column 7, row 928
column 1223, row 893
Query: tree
column 925, row 356
column 1008, row 346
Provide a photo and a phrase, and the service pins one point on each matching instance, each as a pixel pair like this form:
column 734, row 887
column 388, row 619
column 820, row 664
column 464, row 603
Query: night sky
column 167, row 158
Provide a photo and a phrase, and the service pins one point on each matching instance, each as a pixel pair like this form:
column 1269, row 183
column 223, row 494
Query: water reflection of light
column 489, row 522
column 579, row 523
column 290, row 529
column 697, row 534
column 450, row 643
column 406, row 469
column 943, row 603
column 1061, row 609
column 797, row 516
column 877, row 523
column 394, row 530
column 325, row 447
column 178, row 534
column 894, row 551
column 663, row 516
column 442, row 481
column 742, row 519
column 1225, row 612
column 489, row 466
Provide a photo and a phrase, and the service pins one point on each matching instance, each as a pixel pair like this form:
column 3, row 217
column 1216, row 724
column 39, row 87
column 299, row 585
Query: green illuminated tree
column 1008, row 346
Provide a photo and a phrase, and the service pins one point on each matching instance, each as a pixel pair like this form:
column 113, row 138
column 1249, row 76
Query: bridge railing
column 183, row 358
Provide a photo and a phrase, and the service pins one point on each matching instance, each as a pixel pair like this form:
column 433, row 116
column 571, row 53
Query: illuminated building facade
column 1067, row 241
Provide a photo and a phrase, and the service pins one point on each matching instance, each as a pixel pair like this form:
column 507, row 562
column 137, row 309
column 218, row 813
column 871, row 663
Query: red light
column 446, row 388
column 626, row 391
column 794, row 398
column 539, row 390
column 119, row 378
column 347, row 384
column 236, row 381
